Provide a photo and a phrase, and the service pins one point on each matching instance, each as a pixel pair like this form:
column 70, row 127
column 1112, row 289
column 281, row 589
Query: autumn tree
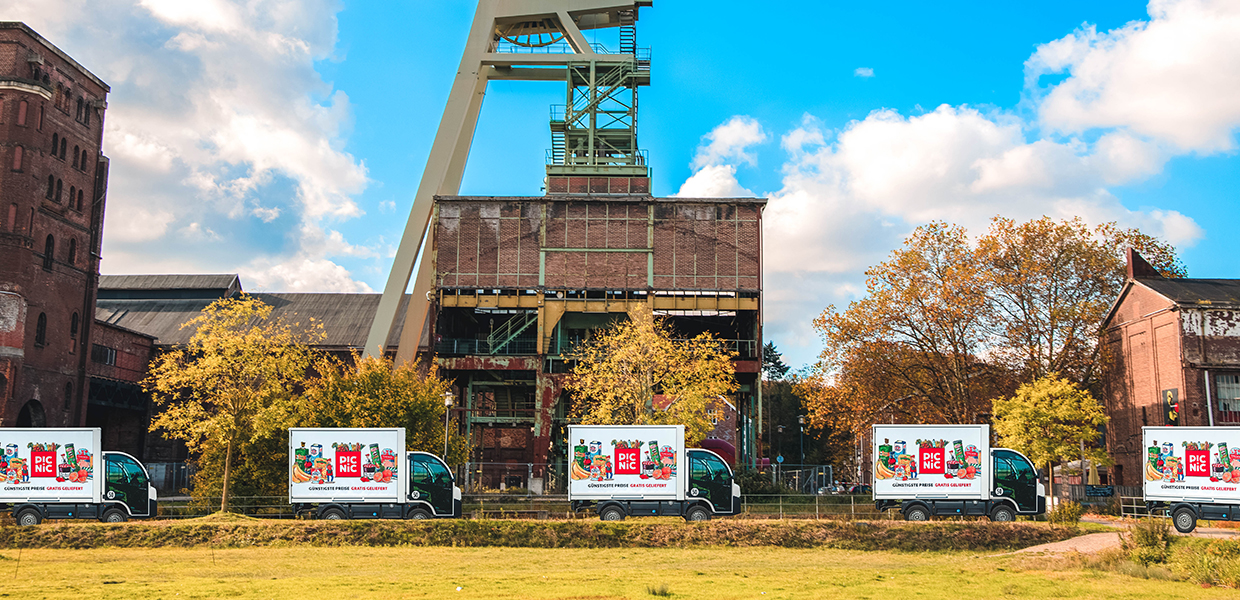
column 909, row 349
column 1048, row 420
column 230, row 384
column 622, row 368
column 372, row 392
column 1050, row 284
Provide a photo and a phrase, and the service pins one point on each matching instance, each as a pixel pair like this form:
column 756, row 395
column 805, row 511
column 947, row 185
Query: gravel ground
column 1088, row 543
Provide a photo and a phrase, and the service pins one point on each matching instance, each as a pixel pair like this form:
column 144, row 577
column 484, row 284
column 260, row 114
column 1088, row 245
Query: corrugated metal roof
column 346, row 318
column 1195, row 291
column 220, row 281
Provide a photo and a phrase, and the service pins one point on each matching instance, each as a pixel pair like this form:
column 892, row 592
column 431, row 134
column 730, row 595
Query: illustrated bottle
column 579, row 453
column 884, row 452
column 654, row 454
column 958, row 450
column 374, row 455
column 71, row 457
column 1223, row 456
column 300, row 455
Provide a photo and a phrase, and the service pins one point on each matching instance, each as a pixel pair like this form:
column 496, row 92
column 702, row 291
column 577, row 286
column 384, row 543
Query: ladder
column 628, row 32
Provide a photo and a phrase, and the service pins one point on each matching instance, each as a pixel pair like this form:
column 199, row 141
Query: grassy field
column 310, row 573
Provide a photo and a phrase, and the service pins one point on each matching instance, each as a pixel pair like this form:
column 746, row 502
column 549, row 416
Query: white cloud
column 1171, row 79
column 217, row 123
column 863, row 72
column 301, row 274
column 730, row 142
column 715, row 181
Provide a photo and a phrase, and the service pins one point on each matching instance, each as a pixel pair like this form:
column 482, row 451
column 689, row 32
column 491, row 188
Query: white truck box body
column 618, row 471
column 36, row 468
column 339, row 465
column 1191, row 464
column 924, row 462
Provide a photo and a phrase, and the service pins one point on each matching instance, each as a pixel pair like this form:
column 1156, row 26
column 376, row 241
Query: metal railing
column 516, row 347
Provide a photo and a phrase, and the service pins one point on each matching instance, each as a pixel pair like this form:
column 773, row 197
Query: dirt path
column 1085, row 544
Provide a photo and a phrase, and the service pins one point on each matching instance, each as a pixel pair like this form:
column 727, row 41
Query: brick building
column 1174, row 347
column 53, row 178
column 519, row 280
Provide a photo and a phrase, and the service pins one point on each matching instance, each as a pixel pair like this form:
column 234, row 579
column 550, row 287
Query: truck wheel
column 697, row 513
column 332, row 514
column 611, row 513
column 418, row 514
column 1003, row 514
column 29, row 518
column 1185, row 520
column 917, row 513
column 114, row 515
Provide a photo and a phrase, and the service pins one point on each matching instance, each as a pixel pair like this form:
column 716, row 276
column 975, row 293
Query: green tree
column 372, row 392
column 227, row 388
column 622, row 368
column 1048, row 420
column 773, row 367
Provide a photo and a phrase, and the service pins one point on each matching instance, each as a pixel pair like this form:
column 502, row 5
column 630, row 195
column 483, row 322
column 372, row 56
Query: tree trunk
column 227, row 472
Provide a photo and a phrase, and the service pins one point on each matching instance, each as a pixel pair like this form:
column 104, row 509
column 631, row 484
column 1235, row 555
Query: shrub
column 1066, row 513
column 759, row 483
column 1216, row 562
column 1148, row 541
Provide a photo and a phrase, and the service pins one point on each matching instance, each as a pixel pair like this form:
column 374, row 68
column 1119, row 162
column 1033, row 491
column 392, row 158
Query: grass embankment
column 239, row 532
column 714, row 573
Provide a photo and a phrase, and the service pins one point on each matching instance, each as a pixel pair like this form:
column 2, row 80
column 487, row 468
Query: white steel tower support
column 500, row 30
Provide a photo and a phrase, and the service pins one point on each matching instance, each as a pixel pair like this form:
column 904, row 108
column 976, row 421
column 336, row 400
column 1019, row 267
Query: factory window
column 64, row 147
column 13, row 218
column 82, row 164
column 17, row 158
column 55, row 143
column 60, row 186
column 72, row 195
column 74, row 322
column 75, row 157
column 79, row 108
column 86, row 120
column 40, row 330
column 73, row 251
column 1227, row 390
column 79, row 202
column 49, row 250
column 22, row 107
column 102, row 354
column 51, row 187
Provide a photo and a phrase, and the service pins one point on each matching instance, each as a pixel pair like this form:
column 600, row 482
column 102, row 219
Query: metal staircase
column 509, row 331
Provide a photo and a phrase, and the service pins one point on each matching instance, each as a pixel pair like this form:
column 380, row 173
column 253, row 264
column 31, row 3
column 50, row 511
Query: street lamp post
column 801, row 421
column 447, row 405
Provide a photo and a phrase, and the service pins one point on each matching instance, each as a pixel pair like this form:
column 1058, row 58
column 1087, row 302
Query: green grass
column 715, row 573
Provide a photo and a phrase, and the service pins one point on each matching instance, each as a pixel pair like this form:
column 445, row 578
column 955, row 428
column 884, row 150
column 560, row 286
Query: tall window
column 51, row 187
column 60, row 186
column 86, row 120
column 22, row 107
column 17, row 158
column 1228, row 391
column 49, row 252
column 73, row 255
column 64, row 147
column 79, row 108
column 72, row 195
column 40, row 330
column 55, row 143
column 79, row 202
column 75, row 157
column 74, row 321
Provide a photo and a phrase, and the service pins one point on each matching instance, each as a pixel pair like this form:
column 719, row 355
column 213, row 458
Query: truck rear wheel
column 29, row 518
column 1003, row 514
column 114, row 515
column 697, row 513
column 917, row 513
column 611, row 513
column 1185, row 520
column 333, row 514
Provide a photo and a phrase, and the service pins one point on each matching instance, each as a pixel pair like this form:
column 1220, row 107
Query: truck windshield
column 429, row 470
column 1019, row 466
column 717, row 467
column 125, row 470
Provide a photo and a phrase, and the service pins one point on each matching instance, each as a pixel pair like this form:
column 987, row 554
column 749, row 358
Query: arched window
column 73, row 257
column 17, row 158
column 49, row 252
column 64, row 147
column 79, row 108
column 79, row 204
column 40, row 330
column 31, row 415
column 55, row 143
column 87, row 115
column 72, row 195
column 82, row 165
column 75, row 157
column 22, row 107
column 68, row 395
column 60, row 186
column 51, row 187
column 73, row 329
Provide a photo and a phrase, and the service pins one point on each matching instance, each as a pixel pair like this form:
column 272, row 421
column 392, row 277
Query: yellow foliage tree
column 623, row 367
column 231, row 383
column 372, row 392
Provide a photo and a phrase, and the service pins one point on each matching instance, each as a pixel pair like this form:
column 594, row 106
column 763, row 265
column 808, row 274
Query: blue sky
column 284, row 140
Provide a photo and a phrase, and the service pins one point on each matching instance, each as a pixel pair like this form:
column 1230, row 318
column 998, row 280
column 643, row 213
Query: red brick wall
column 484, row 243
column 27, row 218
column 133, row 353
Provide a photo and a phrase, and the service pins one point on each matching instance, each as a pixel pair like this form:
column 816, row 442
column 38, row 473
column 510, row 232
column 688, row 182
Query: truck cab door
column 710, row 479
column 431, row 482
column 126, row 482
column 1017, row 479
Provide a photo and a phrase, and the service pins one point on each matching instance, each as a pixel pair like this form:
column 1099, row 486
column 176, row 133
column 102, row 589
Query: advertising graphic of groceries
column 594, row 462
column 929, row 457
column 350, row 460
column 45, row 460
column 1197, row 460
